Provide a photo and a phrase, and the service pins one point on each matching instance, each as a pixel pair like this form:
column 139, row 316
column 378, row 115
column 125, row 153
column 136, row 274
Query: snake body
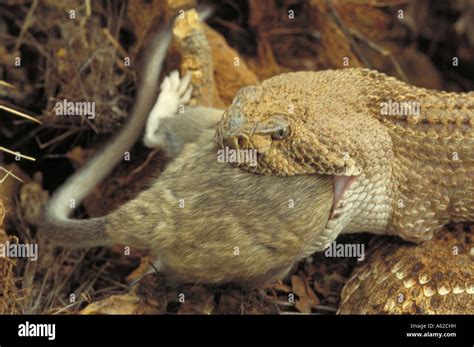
column 434, row 277
column 404, row 154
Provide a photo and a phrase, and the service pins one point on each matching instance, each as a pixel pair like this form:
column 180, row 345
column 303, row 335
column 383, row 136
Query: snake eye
column 281, row 133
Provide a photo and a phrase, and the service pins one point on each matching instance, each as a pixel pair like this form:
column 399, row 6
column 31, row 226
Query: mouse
column 204, row 221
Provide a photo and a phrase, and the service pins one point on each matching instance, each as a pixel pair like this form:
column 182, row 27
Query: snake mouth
column 248, row 144
column 342, row 189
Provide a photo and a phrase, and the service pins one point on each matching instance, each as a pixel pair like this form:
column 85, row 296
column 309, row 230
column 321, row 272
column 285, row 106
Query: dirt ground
column 47, row 56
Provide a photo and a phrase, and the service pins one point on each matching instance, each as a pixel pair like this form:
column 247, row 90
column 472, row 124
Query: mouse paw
column 175, row 93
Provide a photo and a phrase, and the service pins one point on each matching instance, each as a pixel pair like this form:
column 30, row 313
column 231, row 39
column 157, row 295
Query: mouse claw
column 174, row 79
column 185, row 82
column 187, row 95
column 166, row 84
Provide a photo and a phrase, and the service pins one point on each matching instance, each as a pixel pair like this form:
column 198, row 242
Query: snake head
column 304, row 123
column 270, row 135
column 282, row 146
column 282, row 135
column 268, row 138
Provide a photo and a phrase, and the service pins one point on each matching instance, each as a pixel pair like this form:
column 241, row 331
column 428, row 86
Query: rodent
column 205, row 221
column 224, row 208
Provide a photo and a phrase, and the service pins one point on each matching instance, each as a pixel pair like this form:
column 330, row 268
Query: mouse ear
column 343, row 144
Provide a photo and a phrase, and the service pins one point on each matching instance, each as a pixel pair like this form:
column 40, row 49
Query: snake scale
column 402, row 158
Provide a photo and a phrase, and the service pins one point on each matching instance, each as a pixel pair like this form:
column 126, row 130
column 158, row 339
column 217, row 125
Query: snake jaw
column 341, row 185
column 268, row 136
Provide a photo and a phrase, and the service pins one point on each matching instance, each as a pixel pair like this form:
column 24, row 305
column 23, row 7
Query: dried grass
column 46, row 285
column 10, row 296
column 74, row 61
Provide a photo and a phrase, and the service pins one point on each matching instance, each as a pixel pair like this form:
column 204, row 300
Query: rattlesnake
column 402, row 162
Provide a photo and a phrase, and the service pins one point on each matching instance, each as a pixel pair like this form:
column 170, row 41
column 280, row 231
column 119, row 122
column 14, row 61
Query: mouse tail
column 57, row 223
column 77, row 233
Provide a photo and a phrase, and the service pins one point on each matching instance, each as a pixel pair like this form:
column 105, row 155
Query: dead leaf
column 298, row 286
column 149, row 296
column 33, row 198
column 115, row 304
column 79, row 155
column 282, row 287
column 142, row 269
column 310, row 293
column 303, row 305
